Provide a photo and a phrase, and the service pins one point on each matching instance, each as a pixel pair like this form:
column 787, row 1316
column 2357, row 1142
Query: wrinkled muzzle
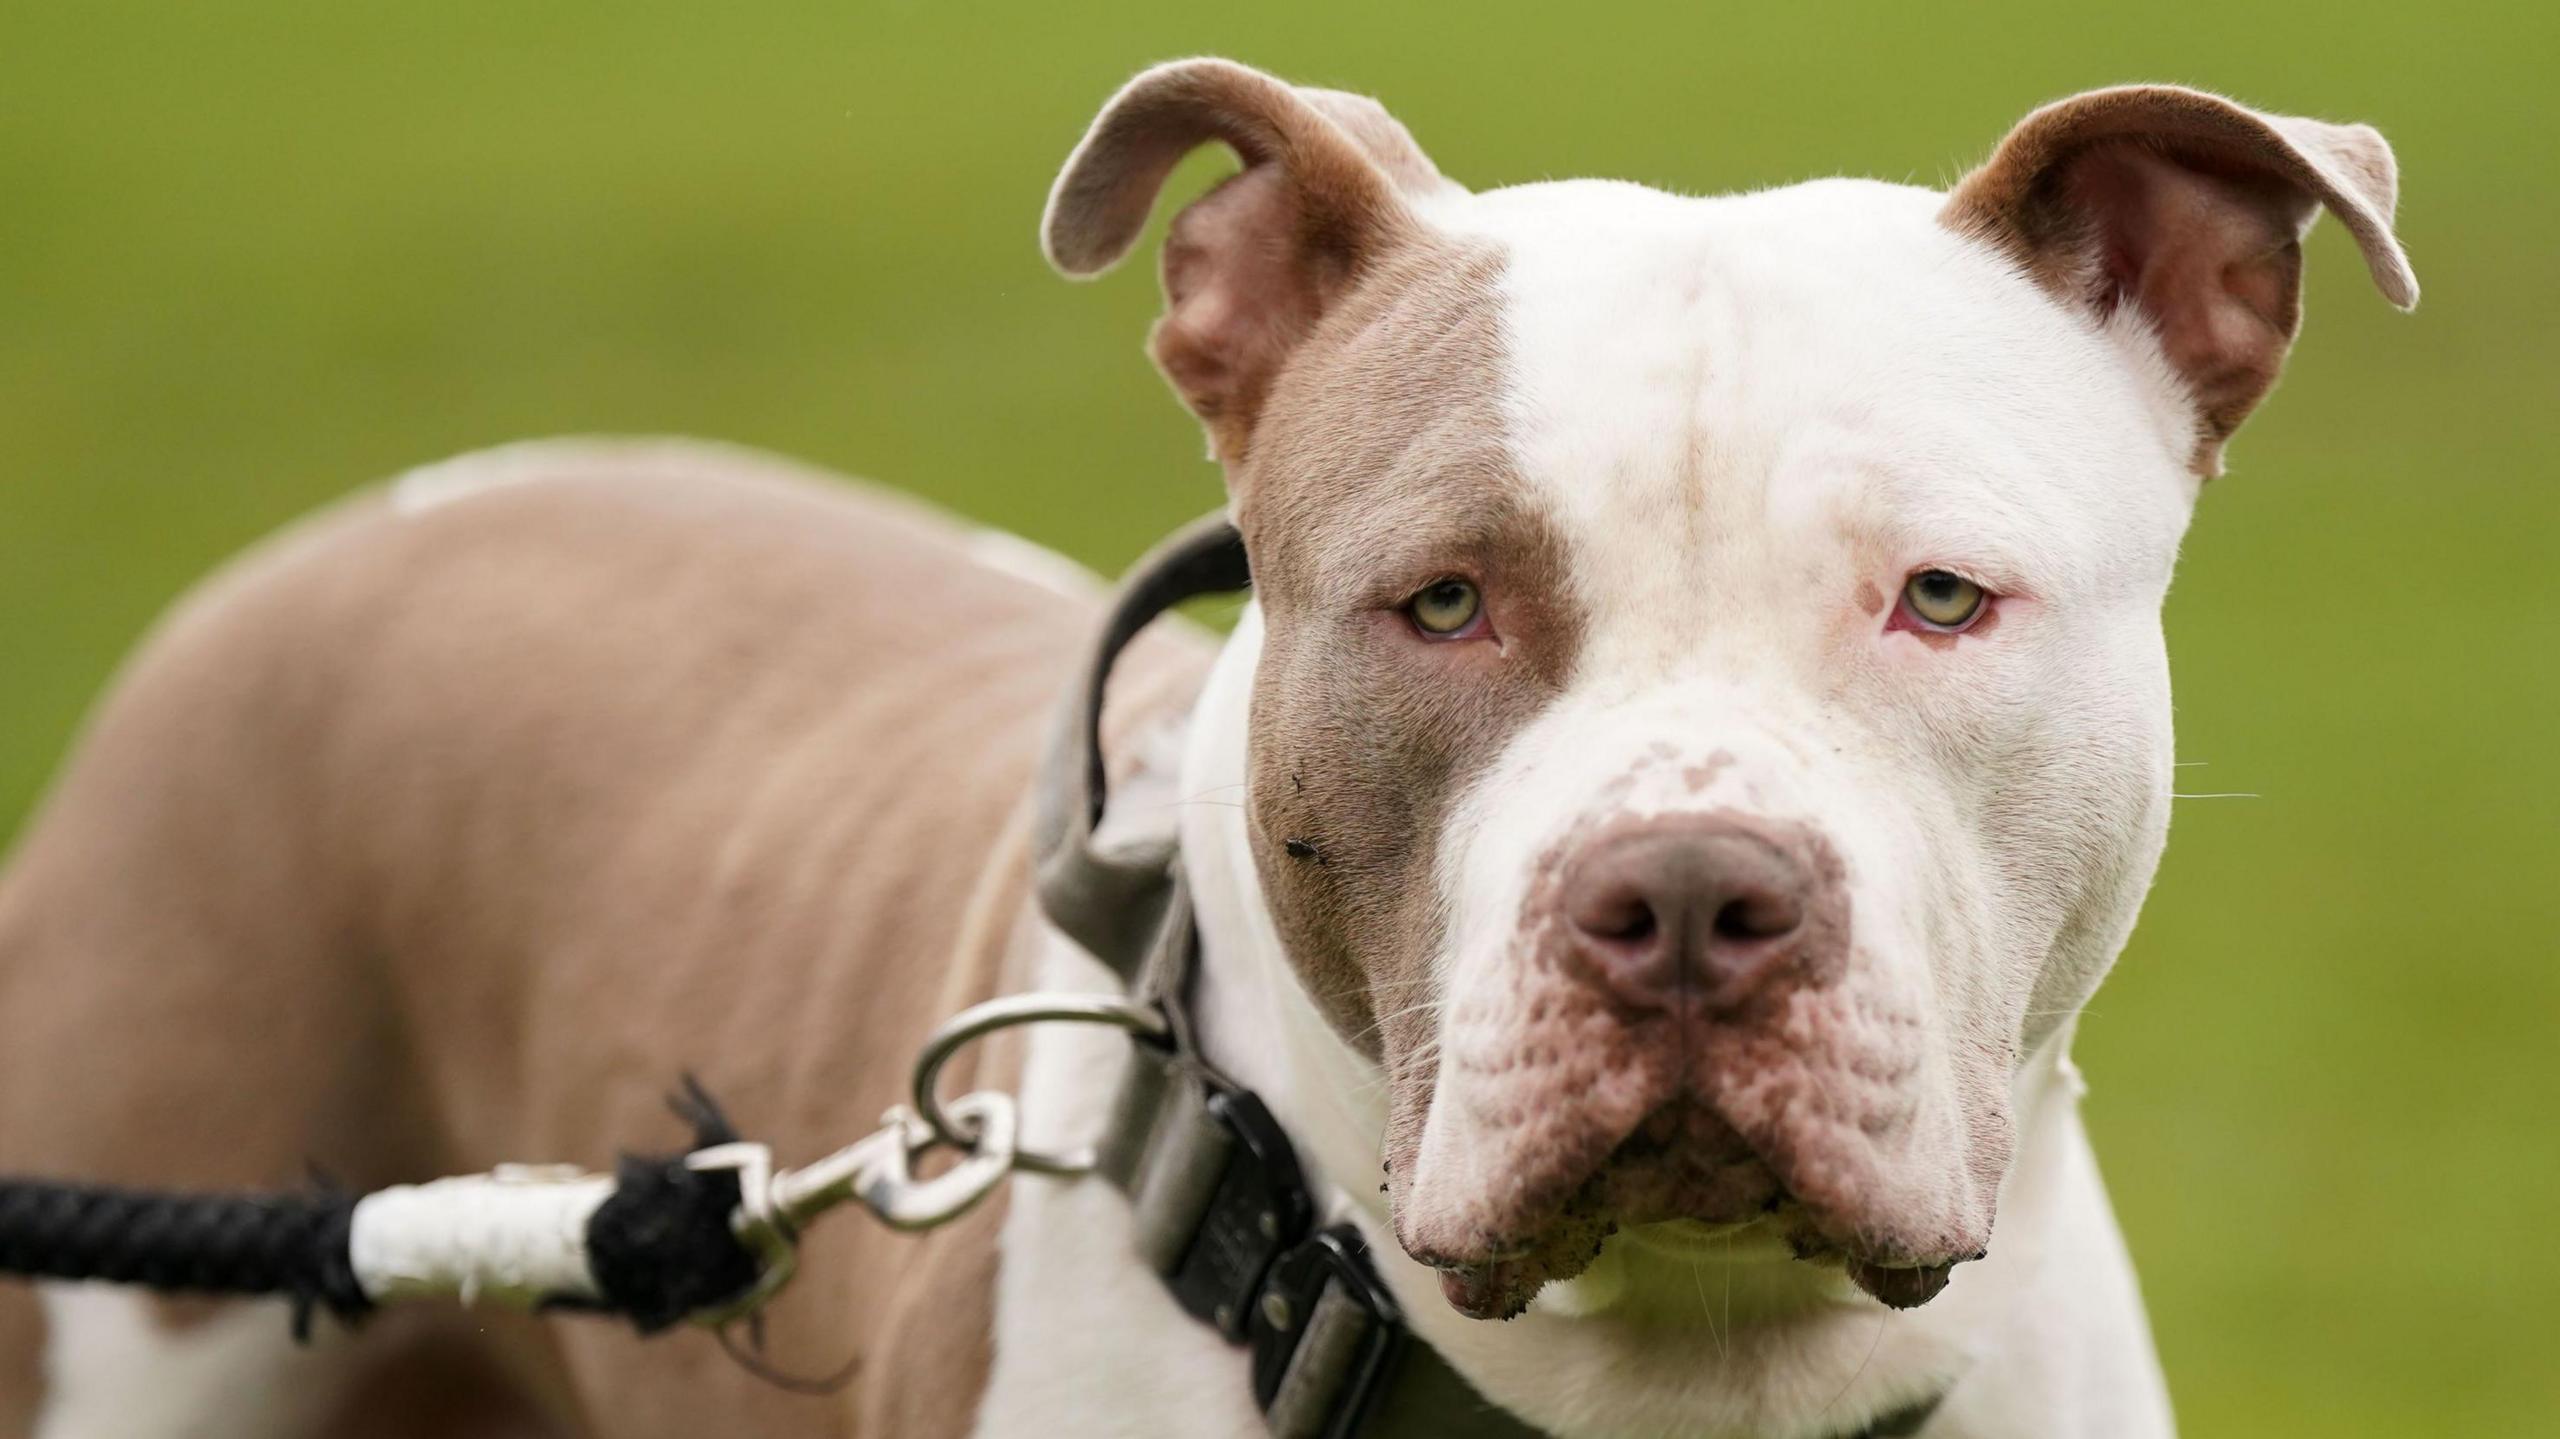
column 1685, row 1015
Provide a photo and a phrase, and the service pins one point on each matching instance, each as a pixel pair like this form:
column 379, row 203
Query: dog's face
column 1712, row 718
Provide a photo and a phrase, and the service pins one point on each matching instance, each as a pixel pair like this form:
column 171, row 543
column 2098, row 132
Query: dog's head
column 1712, row 718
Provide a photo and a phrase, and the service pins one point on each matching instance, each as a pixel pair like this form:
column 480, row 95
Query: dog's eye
column 1942, row 600
column 1446, row 608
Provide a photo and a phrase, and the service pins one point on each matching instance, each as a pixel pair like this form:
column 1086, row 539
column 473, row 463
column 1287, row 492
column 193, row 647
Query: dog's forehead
column 1821, row 356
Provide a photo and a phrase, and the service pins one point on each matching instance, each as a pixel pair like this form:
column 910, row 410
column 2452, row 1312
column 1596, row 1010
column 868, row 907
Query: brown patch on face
column 1380, row 468
column 1347, row 362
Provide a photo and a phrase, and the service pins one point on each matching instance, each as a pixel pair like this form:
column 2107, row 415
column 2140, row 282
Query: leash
column 1224, row 1213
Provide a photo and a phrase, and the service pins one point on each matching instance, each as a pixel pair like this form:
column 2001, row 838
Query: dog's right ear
column 2188, row 209
column 1250, row 267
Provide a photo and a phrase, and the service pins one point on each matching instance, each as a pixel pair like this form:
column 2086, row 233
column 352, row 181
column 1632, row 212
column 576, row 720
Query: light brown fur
column 422, row 842
column 1381, row 453
column 1347, row 360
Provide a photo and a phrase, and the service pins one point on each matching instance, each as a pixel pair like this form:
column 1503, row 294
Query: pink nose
column 1705, row 909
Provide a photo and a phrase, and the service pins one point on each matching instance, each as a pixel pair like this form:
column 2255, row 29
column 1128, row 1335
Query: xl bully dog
column 1700, row 734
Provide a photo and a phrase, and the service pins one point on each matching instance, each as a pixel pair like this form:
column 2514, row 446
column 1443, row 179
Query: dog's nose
column 1697, row 908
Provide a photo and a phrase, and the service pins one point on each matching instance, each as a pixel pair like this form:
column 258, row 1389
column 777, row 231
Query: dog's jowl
column 1701, row 733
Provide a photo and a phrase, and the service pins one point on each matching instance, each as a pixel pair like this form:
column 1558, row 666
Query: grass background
column 253, row 254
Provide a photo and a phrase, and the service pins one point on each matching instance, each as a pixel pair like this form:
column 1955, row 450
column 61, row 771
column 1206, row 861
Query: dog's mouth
column 1683, row 1179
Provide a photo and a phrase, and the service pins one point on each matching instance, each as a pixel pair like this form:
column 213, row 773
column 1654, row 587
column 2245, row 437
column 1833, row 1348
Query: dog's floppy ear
column 2189, row 208
column 1249, row 267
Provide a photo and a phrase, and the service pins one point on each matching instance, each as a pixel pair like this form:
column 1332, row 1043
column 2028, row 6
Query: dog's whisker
column 1707, row 1311
column 1397, row 986
column 1727, row 1243
column 1395, row 1014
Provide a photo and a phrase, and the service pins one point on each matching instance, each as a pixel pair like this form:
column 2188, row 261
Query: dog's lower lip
column 1900, row 1286
column 1690, row 1236
column 1488, row 1291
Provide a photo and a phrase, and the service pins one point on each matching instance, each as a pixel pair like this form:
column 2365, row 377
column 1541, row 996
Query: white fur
column 1742, row 411
column 113, row 1371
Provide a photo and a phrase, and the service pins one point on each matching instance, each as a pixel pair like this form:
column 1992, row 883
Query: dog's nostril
column 1623, row 917
column 1758, row 916
column 1636, row 927
column 1629, row 923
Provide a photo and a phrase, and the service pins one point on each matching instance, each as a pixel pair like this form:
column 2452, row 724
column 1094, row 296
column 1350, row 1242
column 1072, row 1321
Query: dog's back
column 450, row 827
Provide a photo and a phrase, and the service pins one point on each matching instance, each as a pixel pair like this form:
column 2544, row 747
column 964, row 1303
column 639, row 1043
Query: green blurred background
column 254, row 254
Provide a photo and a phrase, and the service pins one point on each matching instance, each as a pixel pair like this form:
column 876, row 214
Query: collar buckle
column 1258, row 1208
column 1326, row 1338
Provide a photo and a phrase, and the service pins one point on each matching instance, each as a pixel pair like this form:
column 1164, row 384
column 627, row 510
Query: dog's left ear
column 2190, row 209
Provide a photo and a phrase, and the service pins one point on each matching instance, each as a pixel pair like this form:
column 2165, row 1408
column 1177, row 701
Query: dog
column 1700, row 734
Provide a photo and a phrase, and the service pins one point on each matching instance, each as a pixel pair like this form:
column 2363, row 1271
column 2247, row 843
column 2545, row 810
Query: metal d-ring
column 979, row 1021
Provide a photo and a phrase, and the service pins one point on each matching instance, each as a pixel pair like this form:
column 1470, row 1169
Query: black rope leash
column 660, row 1246
column 293, row 1245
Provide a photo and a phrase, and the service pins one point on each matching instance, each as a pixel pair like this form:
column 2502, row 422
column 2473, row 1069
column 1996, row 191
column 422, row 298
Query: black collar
column 1224, row 1214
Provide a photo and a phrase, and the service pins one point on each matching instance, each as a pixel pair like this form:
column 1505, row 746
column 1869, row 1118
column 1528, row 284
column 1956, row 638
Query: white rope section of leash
column 516, row 1236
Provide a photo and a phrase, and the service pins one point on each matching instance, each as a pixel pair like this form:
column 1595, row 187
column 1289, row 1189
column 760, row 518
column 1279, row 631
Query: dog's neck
column 1260, row 1027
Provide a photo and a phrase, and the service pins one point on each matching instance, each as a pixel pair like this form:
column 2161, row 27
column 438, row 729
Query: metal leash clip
column 880, row 1170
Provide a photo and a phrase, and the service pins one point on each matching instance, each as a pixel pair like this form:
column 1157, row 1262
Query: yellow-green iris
column 1949, row 601
column 1446, row 607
